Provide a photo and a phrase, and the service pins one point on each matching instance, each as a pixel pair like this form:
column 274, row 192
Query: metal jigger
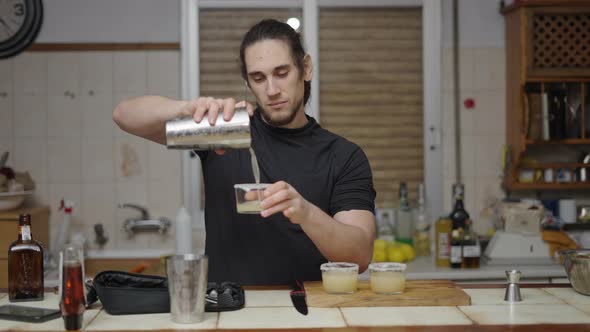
column 512, row 288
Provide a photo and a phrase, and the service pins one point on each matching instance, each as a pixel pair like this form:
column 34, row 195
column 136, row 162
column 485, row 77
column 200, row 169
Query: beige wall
column 483, row 128
column 55, row 119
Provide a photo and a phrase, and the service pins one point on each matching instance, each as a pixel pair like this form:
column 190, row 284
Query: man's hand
column 210, row 107
column 282, row 197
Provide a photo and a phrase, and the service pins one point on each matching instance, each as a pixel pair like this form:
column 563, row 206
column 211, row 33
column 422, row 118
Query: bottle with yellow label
column 443, row 228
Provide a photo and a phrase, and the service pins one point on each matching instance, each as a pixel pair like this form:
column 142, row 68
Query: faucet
column 144, row 222
column 145, row 215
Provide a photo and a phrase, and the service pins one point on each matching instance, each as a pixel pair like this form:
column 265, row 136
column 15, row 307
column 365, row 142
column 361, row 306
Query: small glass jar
column 388, row 278
column 339, row 277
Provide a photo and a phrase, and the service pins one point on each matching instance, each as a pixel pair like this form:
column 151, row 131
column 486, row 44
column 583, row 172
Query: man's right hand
column 210, row 107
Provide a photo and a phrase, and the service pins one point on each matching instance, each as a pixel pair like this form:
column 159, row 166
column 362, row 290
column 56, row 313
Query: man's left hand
column 282, row 197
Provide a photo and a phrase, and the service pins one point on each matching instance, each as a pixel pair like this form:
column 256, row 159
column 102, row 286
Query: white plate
column 13, row 199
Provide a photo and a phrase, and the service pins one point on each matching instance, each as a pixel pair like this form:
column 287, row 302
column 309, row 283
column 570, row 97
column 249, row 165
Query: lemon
column 380, row 244
column 379, row 255
column 395, row 254
column 408, row 251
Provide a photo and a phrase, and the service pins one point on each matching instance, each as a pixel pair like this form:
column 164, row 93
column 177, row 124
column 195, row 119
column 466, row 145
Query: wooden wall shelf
column 547, row 43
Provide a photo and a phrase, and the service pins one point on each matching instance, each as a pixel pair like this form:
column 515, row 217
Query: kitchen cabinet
column 9, row 233
column 548, row 95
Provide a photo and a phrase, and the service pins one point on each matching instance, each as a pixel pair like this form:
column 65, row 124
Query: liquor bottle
column 404, row 224
column 422, row 233
column 25, row 265
column 72, row 299
column 442, row 235
column 459, row 218
column 456, row 256
column 471, row 248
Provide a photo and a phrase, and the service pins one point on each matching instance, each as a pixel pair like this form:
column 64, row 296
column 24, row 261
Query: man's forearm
column 337, row 241
column 146, row 116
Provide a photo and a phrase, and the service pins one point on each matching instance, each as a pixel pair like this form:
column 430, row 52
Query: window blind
column 371, row 90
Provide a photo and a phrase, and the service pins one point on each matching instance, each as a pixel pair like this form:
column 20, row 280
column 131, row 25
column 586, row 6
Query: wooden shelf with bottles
column 548, row 94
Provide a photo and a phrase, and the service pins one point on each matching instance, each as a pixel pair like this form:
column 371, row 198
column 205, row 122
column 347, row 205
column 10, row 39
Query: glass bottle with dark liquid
column 25, row 265
column 73, row 301
column 459, row 219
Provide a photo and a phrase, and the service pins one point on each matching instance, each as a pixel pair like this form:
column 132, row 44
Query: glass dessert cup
column 387, row 278
column 340, row 277
column 249, row 196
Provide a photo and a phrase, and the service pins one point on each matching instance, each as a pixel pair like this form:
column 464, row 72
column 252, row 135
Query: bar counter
column 545, row 307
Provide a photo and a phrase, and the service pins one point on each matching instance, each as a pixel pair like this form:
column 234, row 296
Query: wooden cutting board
column 417, row 293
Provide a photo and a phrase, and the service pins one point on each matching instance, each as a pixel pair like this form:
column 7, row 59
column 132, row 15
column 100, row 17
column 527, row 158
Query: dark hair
column 273, row 29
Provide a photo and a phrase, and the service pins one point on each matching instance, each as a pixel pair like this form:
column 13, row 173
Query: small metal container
column 577, row 267
column 185, row 133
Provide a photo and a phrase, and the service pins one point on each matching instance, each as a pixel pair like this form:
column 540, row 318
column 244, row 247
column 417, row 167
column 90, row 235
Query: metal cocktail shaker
column 185, row 133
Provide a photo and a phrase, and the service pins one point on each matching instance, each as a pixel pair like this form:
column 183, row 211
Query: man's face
column 276, row 82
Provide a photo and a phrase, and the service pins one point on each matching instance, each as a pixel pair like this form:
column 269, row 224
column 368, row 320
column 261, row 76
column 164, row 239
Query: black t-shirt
column 327, row 170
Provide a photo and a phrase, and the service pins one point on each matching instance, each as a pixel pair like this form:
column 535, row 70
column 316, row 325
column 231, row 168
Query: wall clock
column 20, row 22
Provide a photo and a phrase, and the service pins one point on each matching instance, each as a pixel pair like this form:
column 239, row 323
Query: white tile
column 489, row 68
column 51, row 301
column 163, row 73
column 6, row 115
column 496, row 296
column 98, row 201
column 448, row 109
column 64, row 160
column 96, row 72
column 105, row 322
column 467, row 69
column 97, row 115
column 400, row 316
column 7, row 145
column 490, row 113
column 30, row 73
column 488, row 155
column 280, row 317
column 30, row 154
column 525, row 314
column 448, row 193
column 30, row 115
column 6, row 78
column 131, row 155
column 449, row 158
column 487, row 191
column 164, row 198
column 569, row 295
column 130, row 72
column 268, row 298
column 467, row 115
column 98, row 160
column 63, row 73
column 468, row 149
column 64, row 117
column 470, row 190
column 163, row 164
column 448, row 77
column 583, row 307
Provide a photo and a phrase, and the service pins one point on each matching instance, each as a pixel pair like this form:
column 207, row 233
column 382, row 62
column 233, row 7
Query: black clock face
column 20, row 21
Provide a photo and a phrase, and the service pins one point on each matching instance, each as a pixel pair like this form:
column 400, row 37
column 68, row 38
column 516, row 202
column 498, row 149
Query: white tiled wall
column 483, row 128
column 56, row 121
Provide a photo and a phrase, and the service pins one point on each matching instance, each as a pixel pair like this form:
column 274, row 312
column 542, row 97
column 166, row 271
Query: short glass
column 249, row 196
column 339, row 277
column 388, row 278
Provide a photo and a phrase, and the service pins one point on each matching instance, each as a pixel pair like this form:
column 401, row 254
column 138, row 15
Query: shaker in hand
column 185, row 133
column 73, row 300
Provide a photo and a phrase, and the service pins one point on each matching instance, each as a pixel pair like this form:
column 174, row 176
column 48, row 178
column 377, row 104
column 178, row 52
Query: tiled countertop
column 272, row 310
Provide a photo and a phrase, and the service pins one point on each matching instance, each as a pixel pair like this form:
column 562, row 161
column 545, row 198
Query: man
column 321, row 201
